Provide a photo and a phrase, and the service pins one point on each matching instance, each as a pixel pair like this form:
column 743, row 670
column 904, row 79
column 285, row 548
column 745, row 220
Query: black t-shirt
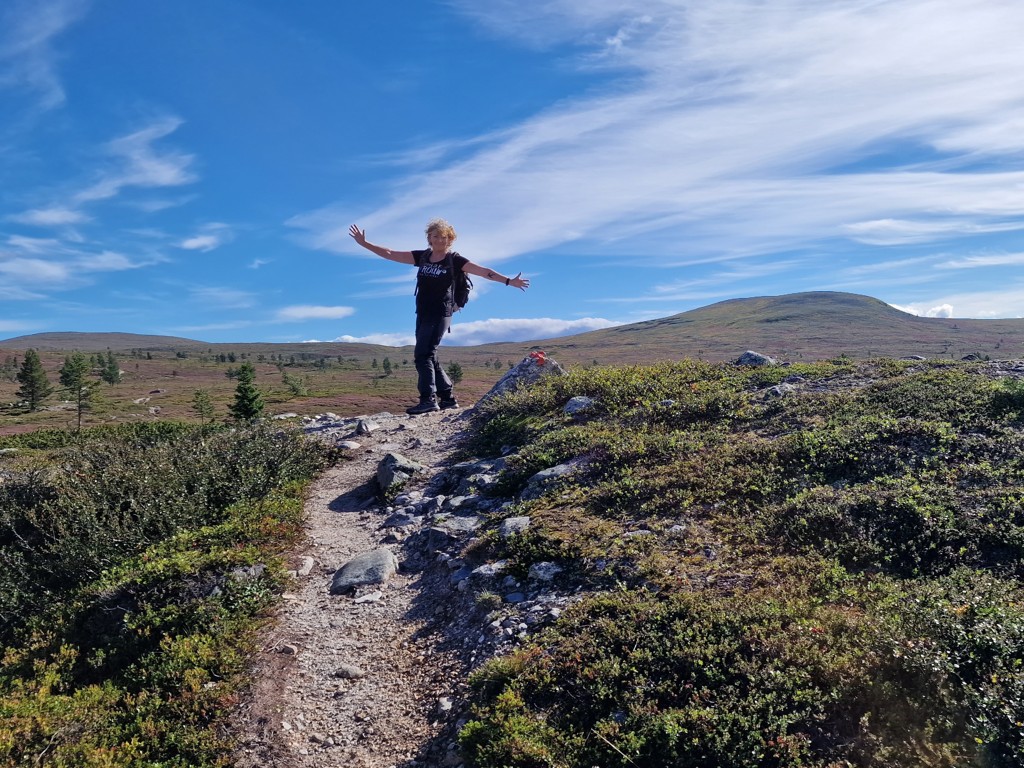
column 434, row 281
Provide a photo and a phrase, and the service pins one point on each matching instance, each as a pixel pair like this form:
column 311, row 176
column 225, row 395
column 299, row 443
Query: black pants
column 433, row 380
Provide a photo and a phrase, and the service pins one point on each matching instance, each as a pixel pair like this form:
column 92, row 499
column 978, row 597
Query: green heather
column 127, row 598
column 827, row 578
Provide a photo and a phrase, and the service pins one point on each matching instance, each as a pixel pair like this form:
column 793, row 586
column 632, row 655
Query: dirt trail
column 357, row 681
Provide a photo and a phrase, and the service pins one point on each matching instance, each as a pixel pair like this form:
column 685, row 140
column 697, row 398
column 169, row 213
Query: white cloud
column 306, row 312
column 742, row 126
column 1005, row 301
column 257, row 263
column 521, row 329
column 209, row 237
column 28, row 61
column 384, row 339
column 27, row 271
column 50, row 217
column 107, row 261
column 985, row 260
column 140, row 164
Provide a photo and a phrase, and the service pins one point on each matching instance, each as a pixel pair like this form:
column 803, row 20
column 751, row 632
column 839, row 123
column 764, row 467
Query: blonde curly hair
column 443, row 228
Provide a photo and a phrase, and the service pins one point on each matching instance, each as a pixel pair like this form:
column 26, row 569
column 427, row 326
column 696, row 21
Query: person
column 435, row 304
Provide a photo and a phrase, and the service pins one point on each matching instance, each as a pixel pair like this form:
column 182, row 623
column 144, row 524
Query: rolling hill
column 799, row 326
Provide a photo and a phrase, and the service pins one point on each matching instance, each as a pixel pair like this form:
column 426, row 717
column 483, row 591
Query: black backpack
column 461, row 284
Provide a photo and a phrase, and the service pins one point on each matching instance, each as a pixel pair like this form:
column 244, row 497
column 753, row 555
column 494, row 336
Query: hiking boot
column 448, row 402
column 423, row 406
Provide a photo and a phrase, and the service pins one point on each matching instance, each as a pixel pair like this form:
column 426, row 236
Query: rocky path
column 366, row 679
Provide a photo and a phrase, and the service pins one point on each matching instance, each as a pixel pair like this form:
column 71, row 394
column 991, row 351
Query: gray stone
column 401, row 520
column 755, row 359
column 374, row 567
column 544, row 571
column 513, row 525
column 349, row 672
column 395, row 470
column 366, row 427
column 515, row 597
column 528, row 371
column 349, row 445
column 537, row 484
column 490, row 570
column 459, row 524
column 779, row 390
column 578, row 404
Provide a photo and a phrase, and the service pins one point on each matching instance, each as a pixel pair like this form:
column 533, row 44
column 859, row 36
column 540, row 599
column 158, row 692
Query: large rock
column 530, row 370
column 394, row 470
column 374, row 567
column 754, row 358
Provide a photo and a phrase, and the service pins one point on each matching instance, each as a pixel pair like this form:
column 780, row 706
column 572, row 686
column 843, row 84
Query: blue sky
column 190, row 167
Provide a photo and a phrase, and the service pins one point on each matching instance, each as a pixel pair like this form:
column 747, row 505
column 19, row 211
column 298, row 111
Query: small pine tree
column 386, row 366
column 111, row 370
column 248, row 404
column 73, row 378
column 202, row 404
column 35, row 387
column 454, row 371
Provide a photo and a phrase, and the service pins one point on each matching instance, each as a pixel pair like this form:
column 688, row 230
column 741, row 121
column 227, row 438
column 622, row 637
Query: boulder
column 755, row 359
column 374, row 567
column 394, row 470
column 530, row 370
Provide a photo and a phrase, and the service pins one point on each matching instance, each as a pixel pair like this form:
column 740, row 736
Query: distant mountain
column 797, row 326
column 98, row 342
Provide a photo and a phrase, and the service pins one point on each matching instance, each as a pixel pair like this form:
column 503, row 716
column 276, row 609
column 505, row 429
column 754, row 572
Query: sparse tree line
column 73, row 376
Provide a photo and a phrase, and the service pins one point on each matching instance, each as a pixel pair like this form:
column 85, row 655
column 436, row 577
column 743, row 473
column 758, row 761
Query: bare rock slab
column 374, row 567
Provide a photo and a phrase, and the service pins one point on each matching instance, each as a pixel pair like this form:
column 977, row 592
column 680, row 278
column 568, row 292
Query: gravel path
column 363, row 680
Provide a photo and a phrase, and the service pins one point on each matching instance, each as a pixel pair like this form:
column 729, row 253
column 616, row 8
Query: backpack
column 461, row 284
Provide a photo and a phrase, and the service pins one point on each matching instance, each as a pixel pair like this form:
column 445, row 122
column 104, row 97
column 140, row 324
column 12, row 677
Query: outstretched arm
column 518, row 281
column 359, row 235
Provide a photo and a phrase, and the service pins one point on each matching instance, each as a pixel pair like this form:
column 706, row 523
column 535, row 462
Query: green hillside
column 799, row 326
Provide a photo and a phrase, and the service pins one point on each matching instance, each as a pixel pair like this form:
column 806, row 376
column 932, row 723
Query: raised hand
column 359, row 235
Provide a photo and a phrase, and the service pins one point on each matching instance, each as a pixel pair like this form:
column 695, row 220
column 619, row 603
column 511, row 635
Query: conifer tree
column 35, row 387
column 110, row 371
column 248, row 403
column 73, row 378
column 203, row 405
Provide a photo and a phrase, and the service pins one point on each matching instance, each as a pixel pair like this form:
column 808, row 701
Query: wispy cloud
column 306, row 312
column 209, row 237
column 985, row 260
column 223, row 298
column 49, row 217
column 138, row 163
column 28, row 61
column 130, row 161
column 738, row 126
